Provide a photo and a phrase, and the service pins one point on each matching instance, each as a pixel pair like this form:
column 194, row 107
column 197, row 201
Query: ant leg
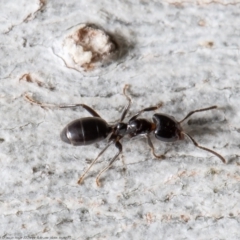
column 86, row 107
column 117, row 145
column 150, row 144
column 198, row 110
column 126, row 108
column 47, row 105
column 93, row 162
column 146, row 110
column 204, row 148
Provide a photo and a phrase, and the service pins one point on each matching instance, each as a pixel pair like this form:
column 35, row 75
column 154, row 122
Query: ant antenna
column 199, row 110
column 204, row 148
column 193, row 141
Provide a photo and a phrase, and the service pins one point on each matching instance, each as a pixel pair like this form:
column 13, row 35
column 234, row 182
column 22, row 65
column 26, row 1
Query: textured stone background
column 185, row 54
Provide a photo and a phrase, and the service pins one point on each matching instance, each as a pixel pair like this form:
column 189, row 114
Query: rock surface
column 184, row 54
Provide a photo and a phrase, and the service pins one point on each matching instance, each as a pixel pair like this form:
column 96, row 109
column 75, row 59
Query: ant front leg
column 146, row 110
column 47, row 105
column 150, row 144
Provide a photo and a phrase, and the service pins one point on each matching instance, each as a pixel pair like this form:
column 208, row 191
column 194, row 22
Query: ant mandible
column 88, row 130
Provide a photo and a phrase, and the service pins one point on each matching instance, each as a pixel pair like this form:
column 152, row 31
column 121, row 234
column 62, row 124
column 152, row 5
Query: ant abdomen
column 85, row 131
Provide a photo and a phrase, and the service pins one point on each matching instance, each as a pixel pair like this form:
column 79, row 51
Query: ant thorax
column 120, row 129
column 139, row 126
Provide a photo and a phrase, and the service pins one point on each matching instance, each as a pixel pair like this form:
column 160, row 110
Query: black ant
column 88, row 130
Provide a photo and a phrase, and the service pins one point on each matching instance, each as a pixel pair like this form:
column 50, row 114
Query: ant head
column 167, row 128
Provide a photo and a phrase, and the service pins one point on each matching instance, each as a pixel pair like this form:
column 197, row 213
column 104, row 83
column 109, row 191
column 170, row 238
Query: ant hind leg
column 117, row 145
column 148, row 109
column 47, row 105
column 93, row 162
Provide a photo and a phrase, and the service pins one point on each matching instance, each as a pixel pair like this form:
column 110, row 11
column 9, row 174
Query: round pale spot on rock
column 88, row 46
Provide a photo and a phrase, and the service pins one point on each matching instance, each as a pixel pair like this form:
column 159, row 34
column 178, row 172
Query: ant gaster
column 88, row 130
